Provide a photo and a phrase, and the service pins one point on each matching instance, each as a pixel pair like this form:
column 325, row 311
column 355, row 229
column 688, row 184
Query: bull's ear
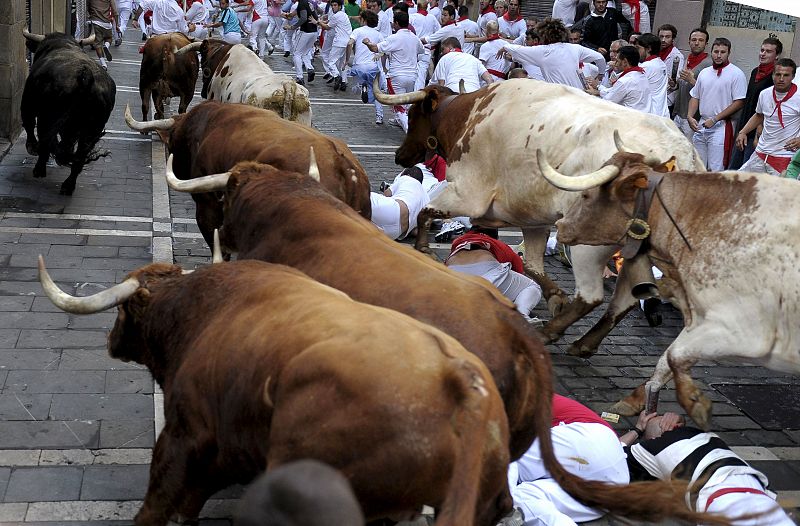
column 233, row 182
column 625, row 186
column 138, row 303
column 431, row 101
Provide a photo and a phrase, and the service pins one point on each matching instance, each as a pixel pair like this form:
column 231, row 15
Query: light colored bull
column 233, row 73
column 489, row 139
column 707, row 231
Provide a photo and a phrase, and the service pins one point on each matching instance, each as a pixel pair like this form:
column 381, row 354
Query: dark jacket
column 601, row 31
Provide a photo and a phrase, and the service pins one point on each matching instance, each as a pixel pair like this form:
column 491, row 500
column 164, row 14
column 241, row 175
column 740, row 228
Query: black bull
column 67, row 100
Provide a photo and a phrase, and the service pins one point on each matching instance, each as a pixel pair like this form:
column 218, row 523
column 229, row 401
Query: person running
column 302, row 52
column 338, row 30
column 103, row 19
column 232, row 27
column 457, row 68
column 258, row 31
column 425, row 24
column 495, row 62
column 365, row 67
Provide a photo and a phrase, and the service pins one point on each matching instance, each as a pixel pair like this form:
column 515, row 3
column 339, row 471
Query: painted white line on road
column 129, row 139
column 372, row 153
column 75, row 231
column 79, row 217
column 187, row 235
column 372, row 146
column 128, row 132
column 101, row 510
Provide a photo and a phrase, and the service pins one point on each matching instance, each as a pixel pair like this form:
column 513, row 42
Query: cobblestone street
column 77, row 427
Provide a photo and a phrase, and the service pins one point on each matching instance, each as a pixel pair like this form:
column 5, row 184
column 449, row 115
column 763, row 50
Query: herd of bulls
column 420, row 389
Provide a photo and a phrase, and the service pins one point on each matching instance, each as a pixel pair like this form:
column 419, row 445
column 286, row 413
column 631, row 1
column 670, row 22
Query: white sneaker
column 449, row 230
column 394, row 122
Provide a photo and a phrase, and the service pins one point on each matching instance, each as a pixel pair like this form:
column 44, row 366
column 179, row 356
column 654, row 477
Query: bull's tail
column 646, row 501
column 474, row 429
column 289, row 89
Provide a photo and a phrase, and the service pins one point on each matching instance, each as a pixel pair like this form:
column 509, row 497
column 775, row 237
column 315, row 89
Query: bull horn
column 576, row 183
column 147, row 126
column 396, row 100
column 34, row 37
column 208, row 183
column 216, row 251
column 89, row 304
column 86, row 41
column 461, row 87
column 313, row 168
column 649, row 160
column 188, row 47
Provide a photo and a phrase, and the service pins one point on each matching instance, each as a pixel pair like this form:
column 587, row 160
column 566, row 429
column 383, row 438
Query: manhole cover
column 771, row 406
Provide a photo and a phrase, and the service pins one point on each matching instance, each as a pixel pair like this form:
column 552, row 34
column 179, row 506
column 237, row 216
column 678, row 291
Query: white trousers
column 757, row 164
column 683, row 125
column 258, row 36
column 289, row 37
column 710, row 144
column 232, row 38
column 401, row 85
column 386, row 214
column 303, row 51
column 423, row 62
column 589, row 450
column 124, row 17
column 325, row 52
column 275, row 29
column 335, row 61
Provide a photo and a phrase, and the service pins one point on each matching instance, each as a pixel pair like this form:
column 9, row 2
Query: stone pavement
column 77, row 427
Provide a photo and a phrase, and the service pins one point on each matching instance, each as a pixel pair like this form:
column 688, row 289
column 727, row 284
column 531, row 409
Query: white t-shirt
column 470, row 28
column 340, row 28
column 452, row 69
column 717, row 92
column 558, row 62
column 565, row 10
column 450, row 30
column 361, row 53
column 385, row 19
column 437, row 13
column 774, row 136
column 484, row 19
column 631, row 90
column 402, row 48
column 167, row 16
column 197, row 13
column 656, row 72
column 488, row 55
column 424, row 25
column 260, row 7
column 511, row 28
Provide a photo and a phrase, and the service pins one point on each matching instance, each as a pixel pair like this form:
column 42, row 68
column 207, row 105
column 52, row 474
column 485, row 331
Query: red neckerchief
column 463, row 18
column 437, row 166
column 489, row 9
column 664, row 53
column 456, row 50
column 423, row 12
column 764, row 71
column 628, row 70
column 720, row 67
column 694, row 60
column 637, row 13
column 778, row 103
column 651, row 57
column 450, row 22
column 508, row 18
column 492, row 37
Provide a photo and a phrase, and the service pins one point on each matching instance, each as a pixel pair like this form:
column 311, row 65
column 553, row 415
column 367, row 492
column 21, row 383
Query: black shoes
column 326, row 76
column 330, row 80
column 343, row 86
column 300, row 82
column 311, row 75
column 285, row 54
column 364, row 94
column 336, row 83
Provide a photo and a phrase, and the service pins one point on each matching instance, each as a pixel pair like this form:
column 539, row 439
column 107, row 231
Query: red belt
column 725, row 491
column 390, row 89
column 498, row 74
column 779, row 163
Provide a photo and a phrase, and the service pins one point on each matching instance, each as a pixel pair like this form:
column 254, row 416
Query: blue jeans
column 365, row 74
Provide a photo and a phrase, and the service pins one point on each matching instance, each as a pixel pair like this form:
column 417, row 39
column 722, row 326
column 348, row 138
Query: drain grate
column 773, row 407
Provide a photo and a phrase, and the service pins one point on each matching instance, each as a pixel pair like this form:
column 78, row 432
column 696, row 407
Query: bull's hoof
column 39, row 172
column 549, row 337
column 67, row 189
column 32, row 147
column 699, row 408
column 556, row 304
column 624, row 408
column 581, row 350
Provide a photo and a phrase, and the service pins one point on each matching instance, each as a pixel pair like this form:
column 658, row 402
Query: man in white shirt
column 386, row 19
column 167, row 16
column 656, row 72
column 450, row 28
column 487, row 14
column 610, row 75
column 631, row 88
column 425, row 24
column 718, row 93
column 395, row 211
column 558, row 60
column 670, row 54
column 490, row 54
column 124, row 8
column 697, row 61
column 338, row 29
column 402, row 47
column 471, row 29
column 364, row 66
column 258, row 32
column 512, row 25
column 778, row 111
column 435, row 10
column 456, row 66
column 564, row 10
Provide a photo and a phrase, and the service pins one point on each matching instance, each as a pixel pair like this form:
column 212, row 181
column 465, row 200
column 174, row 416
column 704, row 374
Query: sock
column 103, row 62
column 107, row 45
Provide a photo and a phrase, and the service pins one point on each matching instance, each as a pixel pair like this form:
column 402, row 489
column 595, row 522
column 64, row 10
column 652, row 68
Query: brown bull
column 163, row 74
column 213, row 137
column 261, row 365
column 289, row 219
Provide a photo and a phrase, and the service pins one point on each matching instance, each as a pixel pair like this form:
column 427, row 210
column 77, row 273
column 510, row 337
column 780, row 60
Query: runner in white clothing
column 637, row 13
column 495, row 62
column 564, row 10
column 450, row 28
column 487, row 14
column 471, row 29
column 258, row 33
column 167, row 16
column 396, row 210
column 718, row 93
column 124, row 9
column 512, row 25
column 364, row 66
column 778, row 111
column 631, row 87
column 456, row 66
column 656, row 72
column 402, row 47
column 425, row 24
column 435, row 10
column 339, row 29
column 558, row 60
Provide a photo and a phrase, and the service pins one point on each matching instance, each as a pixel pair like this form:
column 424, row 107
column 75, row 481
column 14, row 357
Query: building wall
column 544, row 8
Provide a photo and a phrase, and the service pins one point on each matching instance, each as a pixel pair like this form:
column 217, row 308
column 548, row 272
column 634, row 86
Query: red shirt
column 569, row 411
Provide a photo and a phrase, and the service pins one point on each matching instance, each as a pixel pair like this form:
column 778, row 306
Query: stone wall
column 13, row 67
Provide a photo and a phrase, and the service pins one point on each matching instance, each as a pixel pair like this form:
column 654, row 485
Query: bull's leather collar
column 635, row 239
column 432, row 143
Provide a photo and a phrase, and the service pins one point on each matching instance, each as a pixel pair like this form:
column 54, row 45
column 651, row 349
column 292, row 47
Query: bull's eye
column 585, row 195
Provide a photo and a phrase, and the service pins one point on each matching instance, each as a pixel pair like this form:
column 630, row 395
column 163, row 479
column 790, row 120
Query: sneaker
column 449, row 230
column 144, row 37
column 107, row 53
column 394, row 122
column 364, row 94
column 343, row 86
column 300, row 82
column 326, row 76
column 330, row 80
column 118, row 42
column 271, row 50
column 378, row 119
column 311, row 75
column 285, row 54
column 515, row 518
column 384, row 185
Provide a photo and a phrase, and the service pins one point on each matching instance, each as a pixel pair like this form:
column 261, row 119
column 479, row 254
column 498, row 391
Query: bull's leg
column 185, row 100
column 535, row 242
column 78, row 162
column 158, row 104
column 146, row 92
column 621, row 303
column 587, row 267
column 28, row 110
column 209, row 216
column 633, row 404
column 426, row 215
